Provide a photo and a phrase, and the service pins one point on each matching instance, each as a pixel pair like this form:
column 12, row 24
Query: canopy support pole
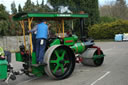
column 63, row 27
column 72, row 27
column 23, row 28
column 59, row 29
column 30, row 34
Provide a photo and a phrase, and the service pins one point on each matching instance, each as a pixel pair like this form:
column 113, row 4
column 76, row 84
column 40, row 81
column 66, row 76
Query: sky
column 7, row 3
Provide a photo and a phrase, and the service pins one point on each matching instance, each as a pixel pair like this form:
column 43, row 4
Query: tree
column 19, row 8
column 37, row 3
column 106, row 10
column 28, row 3
column 3, row 13
column 88, row 6
column 3, row 20
column 42, row 3
column 122, row 9
column 118, row 10
column 28, row 7
column 13, row 8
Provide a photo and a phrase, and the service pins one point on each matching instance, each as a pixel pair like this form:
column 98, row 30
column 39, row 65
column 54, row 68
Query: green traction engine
column 62, row 53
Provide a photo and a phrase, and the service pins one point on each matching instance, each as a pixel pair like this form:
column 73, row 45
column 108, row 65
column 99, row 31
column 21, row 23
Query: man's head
column 44, row 21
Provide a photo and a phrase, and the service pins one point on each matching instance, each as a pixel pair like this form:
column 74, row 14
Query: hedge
column 108, row 30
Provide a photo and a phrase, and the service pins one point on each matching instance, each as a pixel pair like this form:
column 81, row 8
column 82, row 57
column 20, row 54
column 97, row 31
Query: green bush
column 108, row 30
column 105, row 19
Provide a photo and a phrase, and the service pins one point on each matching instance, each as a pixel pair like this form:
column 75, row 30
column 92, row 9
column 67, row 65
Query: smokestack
column 82, row 30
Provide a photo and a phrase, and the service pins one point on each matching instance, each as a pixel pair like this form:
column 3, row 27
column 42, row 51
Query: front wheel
column 60, row 61
column 92, row 58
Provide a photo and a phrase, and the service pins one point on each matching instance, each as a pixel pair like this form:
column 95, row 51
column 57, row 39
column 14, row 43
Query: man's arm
column 33, row 29
column 49, row 25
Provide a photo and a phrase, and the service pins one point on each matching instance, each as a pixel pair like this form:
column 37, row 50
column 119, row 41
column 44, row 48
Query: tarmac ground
column 114, row 70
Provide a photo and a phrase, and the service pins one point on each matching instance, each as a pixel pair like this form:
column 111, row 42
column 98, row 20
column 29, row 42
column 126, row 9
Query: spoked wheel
column 60, row 61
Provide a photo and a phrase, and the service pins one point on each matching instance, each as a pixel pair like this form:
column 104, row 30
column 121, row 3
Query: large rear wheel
column 60, row 61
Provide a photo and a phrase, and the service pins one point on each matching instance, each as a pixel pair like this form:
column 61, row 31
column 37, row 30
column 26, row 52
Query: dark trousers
column 34, row 42
column 40, row 49
column 8, row 56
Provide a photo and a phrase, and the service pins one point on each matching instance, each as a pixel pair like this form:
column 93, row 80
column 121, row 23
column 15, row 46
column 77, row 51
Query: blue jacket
column 42, row 31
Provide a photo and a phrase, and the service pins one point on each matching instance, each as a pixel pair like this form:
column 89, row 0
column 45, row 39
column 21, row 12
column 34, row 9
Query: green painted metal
column 49, row 16
column 55, row 42
column 69, row 41
column 18, row 57
column 78, row 47
column 98, row 59
column 57, row 61
column 33, row 58
column 38, row 71
column 75, row 38
column 98, row 56
column 3, row 69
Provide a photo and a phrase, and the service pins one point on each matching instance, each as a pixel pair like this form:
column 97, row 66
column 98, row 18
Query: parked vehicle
column 62, row 52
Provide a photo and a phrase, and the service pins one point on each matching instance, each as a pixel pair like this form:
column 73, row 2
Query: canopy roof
column 48, row 16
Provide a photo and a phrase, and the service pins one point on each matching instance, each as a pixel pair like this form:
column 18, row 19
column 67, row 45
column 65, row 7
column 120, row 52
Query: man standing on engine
column 41, row 38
